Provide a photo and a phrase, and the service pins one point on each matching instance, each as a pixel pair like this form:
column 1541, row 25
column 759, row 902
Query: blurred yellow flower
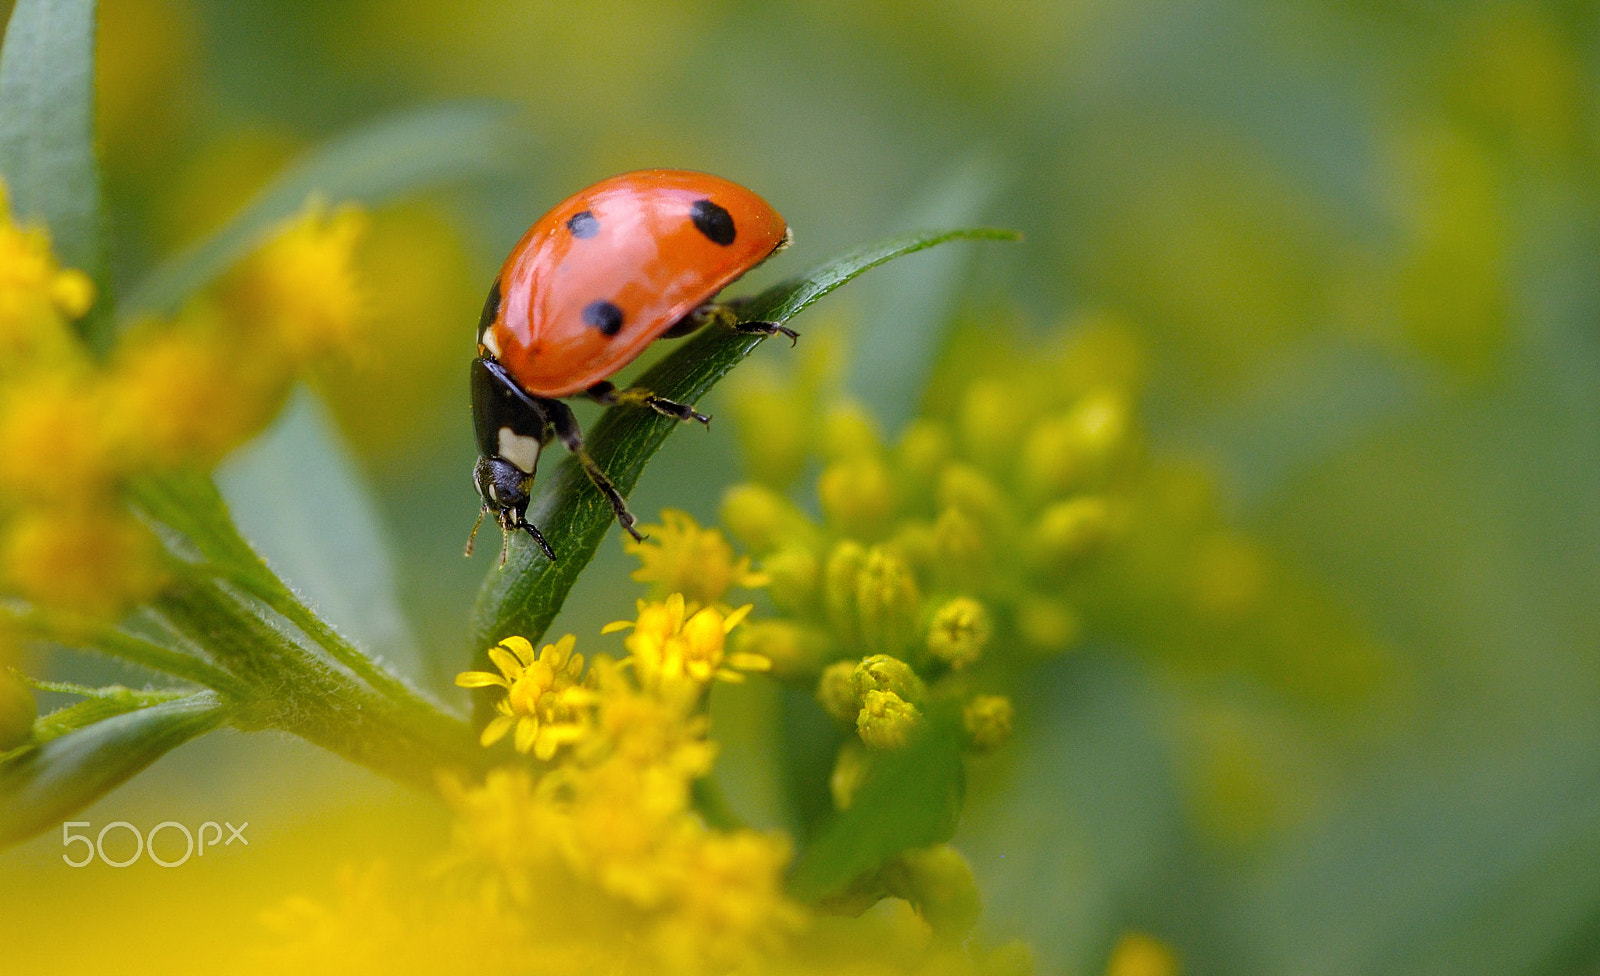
column 681, row 557
column 301, row 288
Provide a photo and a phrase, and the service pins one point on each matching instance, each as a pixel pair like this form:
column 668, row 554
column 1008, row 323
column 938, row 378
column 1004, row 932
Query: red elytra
column 615, row 266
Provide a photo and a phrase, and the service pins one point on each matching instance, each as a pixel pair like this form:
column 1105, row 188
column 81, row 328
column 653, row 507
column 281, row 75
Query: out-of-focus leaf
column 372, row 164
column 523, row 597
column 47, row 124
column 911, row 799
column 296, row 494
column 1087, row 818
column 908, row 307
column 42, row 786
column 98, row 704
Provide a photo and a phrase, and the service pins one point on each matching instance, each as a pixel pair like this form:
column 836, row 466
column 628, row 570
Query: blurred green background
column 1359, row 241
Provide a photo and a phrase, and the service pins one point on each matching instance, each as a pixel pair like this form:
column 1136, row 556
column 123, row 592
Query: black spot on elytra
column 491, row 308
column 583, row 224
column 604, row 316
column 713, row 221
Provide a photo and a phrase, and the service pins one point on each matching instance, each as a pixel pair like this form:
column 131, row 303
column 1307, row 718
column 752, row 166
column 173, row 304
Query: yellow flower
column 301, row 288
column 53, row 443
column 189, row 393
column 545, row 701
column 37, row 299
column 681, row 557
column 673, row 642
column 97, row 560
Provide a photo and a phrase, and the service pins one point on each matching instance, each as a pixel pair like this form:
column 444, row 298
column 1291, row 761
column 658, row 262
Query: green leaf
column 297, row 495
column 523, row 597
column 43, row 785
column 47, row 125
column 98, row 704
column 372, row 164
column 907, row 310
column 911, row 799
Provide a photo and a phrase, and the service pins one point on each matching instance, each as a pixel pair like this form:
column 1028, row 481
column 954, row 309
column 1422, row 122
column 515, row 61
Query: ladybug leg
column 767, row 328
column 604, row 392
column 566, row 426
column 727, row 313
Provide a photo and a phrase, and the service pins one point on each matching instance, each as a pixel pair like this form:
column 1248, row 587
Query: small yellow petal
column 508, row 664
column 527, row 733
column 480, row 679
column 520, row 647
column 733, row 619
column 497, row 729
column 615, row 626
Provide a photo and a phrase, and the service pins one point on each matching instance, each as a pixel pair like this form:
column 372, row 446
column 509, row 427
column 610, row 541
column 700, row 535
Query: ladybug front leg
column 603, row 392
column 566, row 426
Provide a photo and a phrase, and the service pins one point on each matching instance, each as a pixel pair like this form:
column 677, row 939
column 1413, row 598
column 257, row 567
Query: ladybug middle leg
column 566, row 428
column 728, row 314
column 603, row 392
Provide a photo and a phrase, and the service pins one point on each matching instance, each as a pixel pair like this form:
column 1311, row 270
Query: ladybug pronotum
column 630, row 260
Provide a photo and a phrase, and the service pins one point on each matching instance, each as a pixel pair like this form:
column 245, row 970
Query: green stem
column 407, row 740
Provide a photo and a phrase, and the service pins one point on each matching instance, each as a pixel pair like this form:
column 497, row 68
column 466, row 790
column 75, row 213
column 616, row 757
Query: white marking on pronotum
column 489, row 342
column 519, row 449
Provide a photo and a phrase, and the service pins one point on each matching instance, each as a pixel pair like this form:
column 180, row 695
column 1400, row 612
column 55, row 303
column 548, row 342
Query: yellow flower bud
column 880, row 672
column 857, row 497
column 1047, row 626
column 1228, row 576
column 850, row 770
column 991, row 420
column 848, row 432
column 772, row 421
column 886, row 720
column 1066, row 452
column 17, row 712
column 762, row 518
column 939, row 883
column 888, row 603
column 1139, row 955
column 1068, row 531
column 913, row 541
column 961, row 551
column 836, row 691
column 839, row 587
column 987, row 720
column 966, row 488
column 793, row 575
column 923, row 450
column 959, row 632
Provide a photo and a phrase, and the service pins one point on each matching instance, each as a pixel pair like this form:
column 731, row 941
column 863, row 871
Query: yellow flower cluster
column 75, row 428
column 605, row 848
column 1019, row 513
column 597, row 860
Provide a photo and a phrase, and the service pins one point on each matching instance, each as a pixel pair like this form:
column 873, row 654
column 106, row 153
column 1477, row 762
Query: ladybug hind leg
column 566, row 427
column 603, row 392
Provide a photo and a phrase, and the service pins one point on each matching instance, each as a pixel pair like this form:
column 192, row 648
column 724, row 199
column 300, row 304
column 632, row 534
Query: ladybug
column 627, row 261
